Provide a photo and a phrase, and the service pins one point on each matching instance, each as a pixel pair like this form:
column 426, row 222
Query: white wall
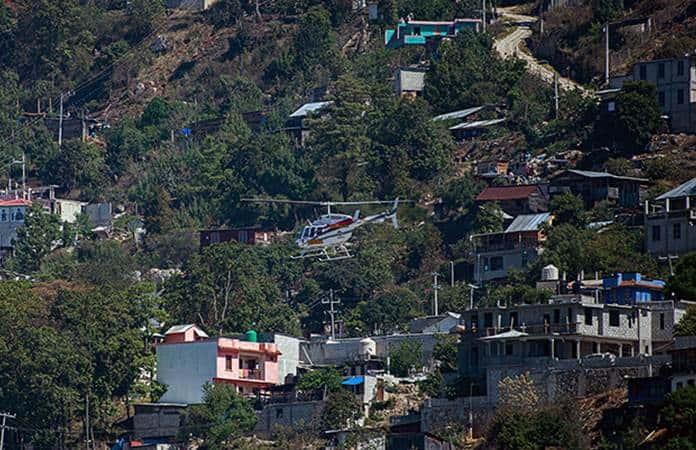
column 185, row 368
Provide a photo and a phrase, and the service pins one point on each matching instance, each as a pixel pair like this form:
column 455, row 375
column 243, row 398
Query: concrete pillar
column 620, row 350
column 577, row 348
column 553, row 349
column 633, row 350
column 599, row 347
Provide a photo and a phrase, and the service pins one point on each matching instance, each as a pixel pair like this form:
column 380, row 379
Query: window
column 279, row 413
column 19, row 215
column 488, row 320
column 514, row 321
column 474, row 321
column 571, row 319
column 613, row 318
column 661, row 70
column 547, row 319
column 643, row 72
column 680, row 96
column 662, row 321
column 588, row 316
column 417, row 31
column 497, row 263
column 676, row 231
column 228, row 363
column 508, row 349
column 556, row 316
column 3, row 215
column 656, row 233
column 630, row 320
column 661, row 98
column 680, row 68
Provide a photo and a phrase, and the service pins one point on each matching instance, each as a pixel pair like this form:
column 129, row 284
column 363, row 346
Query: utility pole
column 483, row 9
column 555, row 91
column 436, row 287
column 471, row 295
column 2, row 431
column 451, row 273
column 331, row 302
column 606, row 54
column 669, row 259
column 60, row 122
column 87, row 426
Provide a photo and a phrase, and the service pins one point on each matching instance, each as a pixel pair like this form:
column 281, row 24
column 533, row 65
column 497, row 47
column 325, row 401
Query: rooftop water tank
column 250, row 336
column 549, row 273
column 368, row 347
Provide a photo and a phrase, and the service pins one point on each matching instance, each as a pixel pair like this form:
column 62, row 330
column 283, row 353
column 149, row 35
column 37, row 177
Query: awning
column 353, row 381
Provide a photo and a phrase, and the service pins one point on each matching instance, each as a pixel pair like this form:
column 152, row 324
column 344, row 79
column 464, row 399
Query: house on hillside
column 670, row 221
column 409, row 81
column 419, row 32
column 683, row 353
column 595, row 187
column 631, row 288
column 12, row 214
column 517, row 199
column 675, row 80
column 297, row 126
column 495, row 254
column 188, row 358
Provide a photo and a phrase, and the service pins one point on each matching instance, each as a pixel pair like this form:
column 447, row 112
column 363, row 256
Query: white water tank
column 368, row 348
column 549, row 273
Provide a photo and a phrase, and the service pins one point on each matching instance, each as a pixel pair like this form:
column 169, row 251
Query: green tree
column 234, row 287
column 445, row 351
column 79, row 164
column 35, row 239
column 390, row 311
column 687, row 324
column 225, row 13
column 489, row 218
column 606, row 10
column 340, row 409
column 682, row 285
column 223, row 416
column 327, row 379
column 679, row 413
column 144, row 14
column 567, row 209
column 636, row 119
column 406, row 357
column 314, row 38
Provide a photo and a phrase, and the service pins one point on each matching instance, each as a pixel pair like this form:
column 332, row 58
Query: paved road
column 512, row 45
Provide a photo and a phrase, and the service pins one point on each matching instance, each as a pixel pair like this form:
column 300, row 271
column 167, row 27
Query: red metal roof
column 499, row 193
column 644, row 284
column 15, row 202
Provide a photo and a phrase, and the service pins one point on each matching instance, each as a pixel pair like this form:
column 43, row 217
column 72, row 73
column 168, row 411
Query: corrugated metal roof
column 528, row 222
column 500, row 193
column 477, row 124
column 591, row 174
column 458, row 114
column 309, row 108
column 683, row 190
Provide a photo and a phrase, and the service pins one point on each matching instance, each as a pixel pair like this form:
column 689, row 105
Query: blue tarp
column 353, row 381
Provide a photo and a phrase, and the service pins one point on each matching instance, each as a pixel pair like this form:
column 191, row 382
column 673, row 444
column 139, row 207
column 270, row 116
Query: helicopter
column 327, row 238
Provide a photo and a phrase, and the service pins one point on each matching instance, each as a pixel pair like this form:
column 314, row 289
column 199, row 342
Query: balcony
column 251, row 374
column 533, row 330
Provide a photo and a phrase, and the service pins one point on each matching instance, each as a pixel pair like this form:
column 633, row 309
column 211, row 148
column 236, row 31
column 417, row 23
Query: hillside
column 573, row 40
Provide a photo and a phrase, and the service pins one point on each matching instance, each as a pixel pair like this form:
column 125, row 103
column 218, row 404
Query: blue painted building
column 418, row 32
column 630, row 288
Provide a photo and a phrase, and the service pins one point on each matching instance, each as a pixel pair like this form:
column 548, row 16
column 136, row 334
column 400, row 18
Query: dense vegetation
column 78, row 329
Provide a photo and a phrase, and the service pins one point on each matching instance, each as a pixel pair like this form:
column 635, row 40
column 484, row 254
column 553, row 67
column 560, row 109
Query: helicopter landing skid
column 326, row 253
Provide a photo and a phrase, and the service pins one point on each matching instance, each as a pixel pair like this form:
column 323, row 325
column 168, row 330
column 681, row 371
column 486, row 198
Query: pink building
column 188, row 358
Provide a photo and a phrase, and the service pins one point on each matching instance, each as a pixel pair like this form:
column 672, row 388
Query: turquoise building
column 418, row 32
column 629, row 288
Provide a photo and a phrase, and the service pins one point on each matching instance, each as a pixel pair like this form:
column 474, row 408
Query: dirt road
column 512, row 45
